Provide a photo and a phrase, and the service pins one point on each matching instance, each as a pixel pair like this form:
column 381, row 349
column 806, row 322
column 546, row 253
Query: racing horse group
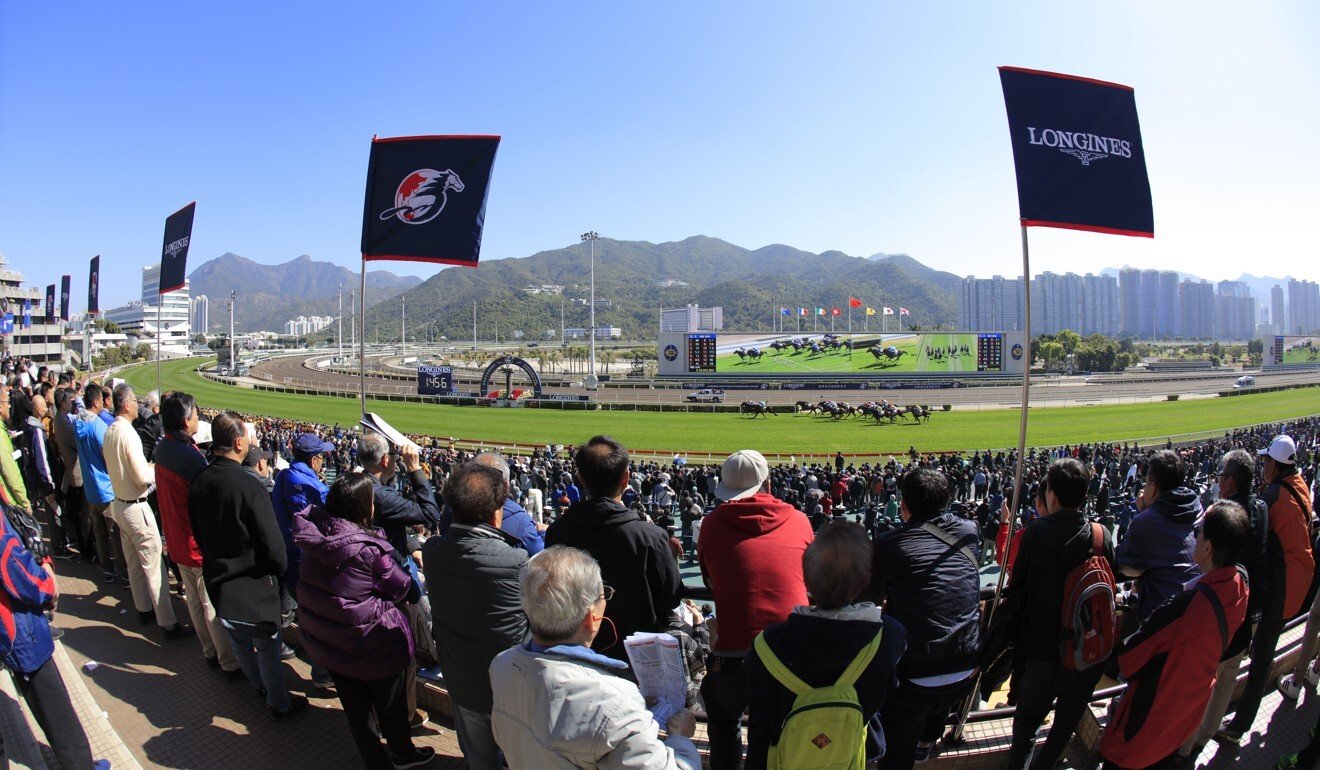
column 879, row 410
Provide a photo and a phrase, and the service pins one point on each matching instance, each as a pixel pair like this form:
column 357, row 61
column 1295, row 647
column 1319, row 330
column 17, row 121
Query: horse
column 804, row 406
column 754, row 353
column 418, row 200
column 890, row 353
column 780, row 345
column 755, row 409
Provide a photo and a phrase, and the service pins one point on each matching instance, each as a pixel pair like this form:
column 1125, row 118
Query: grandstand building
column 138, row 319
column 41, row 341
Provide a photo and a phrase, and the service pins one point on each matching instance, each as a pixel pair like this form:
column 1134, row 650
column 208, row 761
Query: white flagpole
column 362, row 354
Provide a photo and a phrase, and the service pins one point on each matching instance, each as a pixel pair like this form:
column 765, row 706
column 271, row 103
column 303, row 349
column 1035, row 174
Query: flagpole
column 955, row 735
column 362, row 354
column 160, row 300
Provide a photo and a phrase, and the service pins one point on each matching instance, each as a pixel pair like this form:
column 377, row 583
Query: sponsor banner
column 435, row 380
column 1077, row 152
column 174, row 252
column 50, row 304
column 94, row 286
column 66, row 283
column 426, row 198
column 7, row 323
column 27, row 314
column 562, row 397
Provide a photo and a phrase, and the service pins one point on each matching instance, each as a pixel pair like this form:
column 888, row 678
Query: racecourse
column 780, row 434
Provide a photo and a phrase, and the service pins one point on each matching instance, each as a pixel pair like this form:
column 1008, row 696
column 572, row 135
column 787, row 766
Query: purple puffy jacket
column 347, row 598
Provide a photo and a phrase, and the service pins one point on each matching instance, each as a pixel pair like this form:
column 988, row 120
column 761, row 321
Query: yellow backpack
column 825, row 729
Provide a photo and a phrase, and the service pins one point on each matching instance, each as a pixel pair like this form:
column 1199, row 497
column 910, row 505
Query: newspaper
column 657, row 662
column 375, row 423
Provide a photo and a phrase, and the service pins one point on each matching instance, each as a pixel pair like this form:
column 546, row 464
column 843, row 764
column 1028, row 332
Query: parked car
column 1245, row 381
column 706, row 396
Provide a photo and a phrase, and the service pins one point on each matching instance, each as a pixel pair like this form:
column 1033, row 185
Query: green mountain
column 638, row 278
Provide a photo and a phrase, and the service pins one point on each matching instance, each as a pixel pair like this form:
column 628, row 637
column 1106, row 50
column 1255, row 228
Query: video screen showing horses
column 1301, row 350
column 830, row 353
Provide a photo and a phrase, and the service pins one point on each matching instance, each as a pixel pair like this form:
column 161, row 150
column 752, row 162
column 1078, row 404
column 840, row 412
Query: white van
column 1245, row 381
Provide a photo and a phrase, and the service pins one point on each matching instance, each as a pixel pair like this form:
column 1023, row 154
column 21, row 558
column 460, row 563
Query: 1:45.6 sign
column 435, row 380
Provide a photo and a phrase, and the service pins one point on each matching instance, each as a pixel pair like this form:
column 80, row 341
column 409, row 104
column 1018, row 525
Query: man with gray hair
column 559, row 704
column 516, row 521
column 148, row 425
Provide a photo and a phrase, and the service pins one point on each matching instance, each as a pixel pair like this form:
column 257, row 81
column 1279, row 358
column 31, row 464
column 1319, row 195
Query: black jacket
column 934, row 590
column 634, row 559
column 148, row 427
column 1051, row 547
column 395, row 513
column 817, row 649
column 243, row 559
column 472, row 580
column 1255, row 558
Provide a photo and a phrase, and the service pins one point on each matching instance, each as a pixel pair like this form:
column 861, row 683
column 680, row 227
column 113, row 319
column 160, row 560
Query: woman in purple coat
column 348, row 597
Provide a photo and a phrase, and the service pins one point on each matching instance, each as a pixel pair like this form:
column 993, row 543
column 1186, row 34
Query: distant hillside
column 638, row 278
column 269, row 295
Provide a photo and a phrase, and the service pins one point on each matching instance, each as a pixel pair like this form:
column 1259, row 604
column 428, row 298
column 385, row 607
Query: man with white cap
column 750, row 551
column 1292, row 566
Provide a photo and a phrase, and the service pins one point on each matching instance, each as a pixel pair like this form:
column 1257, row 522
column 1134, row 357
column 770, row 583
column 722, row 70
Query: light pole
column 340, row 335
column 352, row 319
column 590, row 237
column 233, row 296
column 403, row 325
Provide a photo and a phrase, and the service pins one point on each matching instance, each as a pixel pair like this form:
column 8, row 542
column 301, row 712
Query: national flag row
column 853, row 302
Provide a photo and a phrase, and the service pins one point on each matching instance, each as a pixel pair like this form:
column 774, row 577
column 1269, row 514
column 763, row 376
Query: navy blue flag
column 426, row 198
column 174, row 255
column 1077, row 150
column 94, row 286
column 7, row 323
column 66, row 283
column 50, row 304
column 27, row 314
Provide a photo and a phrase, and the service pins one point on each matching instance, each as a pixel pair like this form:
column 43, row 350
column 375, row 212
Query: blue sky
column 862, row 127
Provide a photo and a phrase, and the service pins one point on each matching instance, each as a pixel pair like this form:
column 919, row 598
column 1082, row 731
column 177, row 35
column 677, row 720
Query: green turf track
column 697, row 432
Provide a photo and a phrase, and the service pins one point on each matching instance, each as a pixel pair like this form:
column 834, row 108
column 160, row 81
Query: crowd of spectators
column 521, row 576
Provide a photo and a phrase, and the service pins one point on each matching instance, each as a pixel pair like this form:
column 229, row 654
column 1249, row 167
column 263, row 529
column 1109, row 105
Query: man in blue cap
column 297, row 487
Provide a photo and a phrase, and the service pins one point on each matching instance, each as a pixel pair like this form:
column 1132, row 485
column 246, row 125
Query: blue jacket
column 518, row 522
column 24, row 632
column 296, row 488
column 1159, row 548
column 91, row 440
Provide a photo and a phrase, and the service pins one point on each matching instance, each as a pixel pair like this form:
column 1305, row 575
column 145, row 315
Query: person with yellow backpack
column 816, row 681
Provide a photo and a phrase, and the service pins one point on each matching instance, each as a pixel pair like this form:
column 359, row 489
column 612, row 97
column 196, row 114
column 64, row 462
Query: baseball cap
column 311, row 444
column 1282, row 449
column 255, row 454
column 742, row 475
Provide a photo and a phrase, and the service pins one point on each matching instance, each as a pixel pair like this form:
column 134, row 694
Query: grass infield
column 781, row 434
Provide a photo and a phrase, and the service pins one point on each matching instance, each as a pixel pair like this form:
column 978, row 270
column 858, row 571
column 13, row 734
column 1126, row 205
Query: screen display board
column 435, row 380
column 701, row 353
column 1292, row 351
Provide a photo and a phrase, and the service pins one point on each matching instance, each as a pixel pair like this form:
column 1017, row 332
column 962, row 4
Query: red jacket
column 1290, row 544
column 178, row 461
column 750, row 553
column 1170, row 666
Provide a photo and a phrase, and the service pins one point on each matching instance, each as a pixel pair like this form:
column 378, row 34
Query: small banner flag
column 1078, row 154
column 889, row 311
column 870, row 311
column 783, row 311
column 174, row 254
column 94, row 286
column 854, row 302
column 27, row 314
column 903, row 311
column 7, row 323
column 50, row 304
column 426, row 198
column 835, row 311
column 66, row 284
column 820, row 311
column 802, row 311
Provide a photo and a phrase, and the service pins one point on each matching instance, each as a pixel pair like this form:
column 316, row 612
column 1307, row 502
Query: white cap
column 742, row 475
column 1281, row 450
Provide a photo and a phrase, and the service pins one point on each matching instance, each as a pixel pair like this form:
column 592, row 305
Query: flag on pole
column 174, row 254
column 426, row 198
column 903, row 311
column 820, row 311
column 854, row 302
column 1078, row 154
column 870, row 311
column 802, row 311
column 27, row 314
column 66, row 283
column 94, row 286
column 835, row 311
column 50, row 304
column 889, row 311
column 784, row 311
column 7, row 323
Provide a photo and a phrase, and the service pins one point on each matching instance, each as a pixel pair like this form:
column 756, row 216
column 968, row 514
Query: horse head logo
column 422, row 195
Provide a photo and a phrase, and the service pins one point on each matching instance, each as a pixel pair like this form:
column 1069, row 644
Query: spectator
column 928, row 574
column 472, row 578
column 1170, row 663
column 257, row 463
column 26, row 639
column 1159, row 544
column 1292, row 568
column 750, row 554
column 131, row 478
column 90, row 432
column 557, row 703
column 633, row 554
column 148, row 425
column 178, row 463
column 348, row 595
column 821, row 642
column 515, row 519
column 39, row 476
column 1048, row 550
column 243, row 560
column 71, row 482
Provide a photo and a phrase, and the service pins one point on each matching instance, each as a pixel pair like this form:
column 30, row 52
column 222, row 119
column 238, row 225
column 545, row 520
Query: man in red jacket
column 1170, row 663
column 750, row 552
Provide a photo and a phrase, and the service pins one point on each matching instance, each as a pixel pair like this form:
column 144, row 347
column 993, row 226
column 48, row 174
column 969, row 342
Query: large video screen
column 1294, row 351
column 875, row 353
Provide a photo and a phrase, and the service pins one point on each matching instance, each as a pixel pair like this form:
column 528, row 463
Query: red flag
column 854, row 302
column 835, row 311
column 903, row 311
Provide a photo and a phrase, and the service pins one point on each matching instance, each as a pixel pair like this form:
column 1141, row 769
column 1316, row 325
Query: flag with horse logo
column 426, row 198
column 1078, row 153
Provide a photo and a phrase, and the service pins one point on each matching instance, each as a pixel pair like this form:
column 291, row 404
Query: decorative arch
column 514, row 361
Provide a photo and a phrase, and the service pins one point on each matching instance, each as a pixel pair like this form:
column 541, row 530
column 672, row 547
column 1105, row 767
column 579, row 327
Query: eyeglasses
column 607, row 594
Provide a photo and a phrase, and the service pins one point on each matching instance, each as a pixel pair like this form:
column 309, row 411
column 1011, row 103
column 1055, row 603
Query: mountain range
column 270, row 295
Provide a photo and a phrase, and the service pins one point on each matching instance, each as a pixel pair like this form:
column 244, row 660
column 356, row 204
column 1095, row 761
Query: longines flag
column 426, row 198
column 174, row 254
column 50, row 304
column 94, row 286
column 1077, row 150
column 66, row 283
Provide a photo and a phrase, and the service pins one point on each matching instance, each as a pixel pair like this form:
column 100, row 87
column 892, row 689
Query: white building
column 41, row 341
column 199, row 318
column 692, row 318
column 307, row 325
column 138, row 319
column 602, row 333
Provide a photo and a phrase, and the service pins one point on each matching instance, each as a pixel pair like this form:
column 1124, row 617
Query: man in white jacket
column 558, row 704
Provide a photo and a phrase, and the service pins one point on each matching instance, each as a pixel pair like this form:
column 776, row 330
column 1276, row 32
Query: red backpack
column 1088, row 613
